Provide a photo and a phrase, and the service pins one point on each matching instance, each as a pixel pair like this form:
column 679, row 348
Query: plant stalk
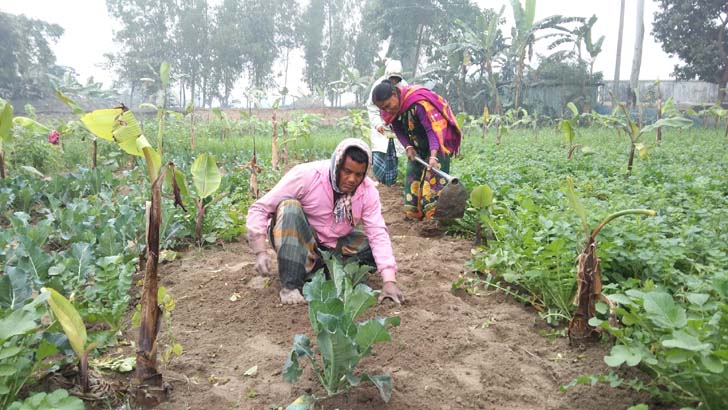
column 648, row 212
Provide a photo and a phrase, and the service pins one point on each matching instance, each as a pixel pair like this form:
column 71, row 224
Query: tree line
column 468, row 52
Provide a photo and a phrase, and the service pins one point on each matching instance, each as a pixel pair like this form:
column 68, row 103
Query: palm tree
column 618, row 59
column 485, row 45
column 637, row 58
column 523, row 37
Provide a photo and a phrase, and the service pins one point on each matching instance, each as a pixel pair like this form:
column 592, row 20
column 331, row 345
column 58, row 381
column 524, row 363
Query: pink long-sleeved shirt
column 310, row 184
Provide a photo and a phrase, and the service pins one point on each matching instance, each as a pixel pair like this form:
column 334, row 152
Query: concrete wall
column 684, row 92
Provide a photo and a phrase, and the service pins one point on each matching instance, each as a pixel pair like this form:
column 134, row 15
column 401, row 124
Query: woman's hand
column 411, row 153
column 434, row 163
column 391, row 291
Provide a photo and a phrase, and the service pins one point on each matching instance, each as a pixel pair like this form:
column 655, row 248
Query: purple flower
column 54, row 137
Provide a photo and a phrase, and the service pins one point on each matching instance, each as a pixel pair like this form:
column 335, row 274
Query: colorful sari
column 422, row 187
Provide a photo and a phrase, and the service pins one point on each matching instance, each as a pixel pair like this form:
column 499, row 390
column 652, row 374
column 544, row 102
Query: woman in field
column 426, row 127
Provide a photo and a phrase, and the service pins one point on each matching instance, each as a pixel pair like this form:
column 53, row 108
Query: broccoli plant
column 333, row 306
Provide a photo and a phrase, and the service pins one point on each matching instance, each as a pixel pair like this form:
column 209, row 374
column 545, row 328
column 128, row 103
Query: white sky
column 88, row 34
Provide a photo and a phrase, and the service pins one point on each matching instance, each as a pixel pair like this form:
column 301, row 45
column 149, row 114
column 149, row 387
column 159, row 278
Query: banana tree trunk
column 630, row 161
column 93, row 166
column 198, row 221
column 150, row 389
column 274, row 142
column 2, row 164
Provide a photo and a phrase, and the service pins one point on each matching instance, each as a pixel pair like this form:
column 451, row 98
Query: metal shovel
column 453, row 197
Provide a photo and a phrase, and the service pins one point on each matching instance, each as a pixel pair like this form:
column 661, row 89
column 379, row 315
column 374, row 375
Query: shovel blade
column 452, row 201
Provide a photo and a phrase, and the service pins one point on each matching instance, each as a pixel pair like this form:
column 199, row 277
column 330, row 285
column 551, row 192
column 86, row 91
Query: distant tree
column 192, row 39
column 697, row 32
column 26, row 56
column 143, row 39
column 311, row 35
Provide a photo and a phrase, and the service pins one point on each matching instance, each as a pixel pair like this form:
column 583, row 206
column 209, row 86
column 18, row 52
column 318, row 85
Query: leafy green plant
column 682, row 342
column 342, row 342
column 589, row 274
column 568, row 129
column 206, row 178
column 626, row 124
column 75, row 330
column 58, row 400
column 6, row 123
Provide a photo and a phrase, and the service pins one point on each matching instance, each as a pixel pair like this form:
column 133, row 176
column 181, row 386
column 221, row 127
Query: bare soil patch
column 452, row 351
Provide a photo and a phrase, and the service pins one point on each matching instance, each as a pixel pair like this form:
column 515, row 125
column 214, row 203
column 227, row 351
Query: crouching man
column 316, row 206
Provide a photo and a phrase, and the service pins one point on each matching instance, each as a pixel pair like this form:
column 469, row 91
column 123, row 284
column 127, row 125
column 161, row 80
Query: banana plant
column 161, row 104
column 568, row 128
column 223, row 118
column 127, row 133
column 6, row 123
column 75, row 331
column 589, row 271
column 626, row 124
column 206, row 178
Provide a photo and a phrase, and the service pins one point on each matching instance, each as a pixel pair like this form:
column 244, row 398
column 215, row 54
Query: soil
column 453, row 350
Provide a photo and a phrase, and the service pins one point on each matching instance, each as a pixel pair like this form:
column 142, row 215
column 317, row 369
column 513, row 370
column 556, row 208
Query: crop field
column 490, row 319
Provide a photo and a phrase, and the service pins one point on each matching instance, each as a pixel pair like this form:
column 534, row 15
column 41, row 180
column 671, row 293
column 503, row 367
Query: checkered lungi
column 384, row 166
column 299, row 253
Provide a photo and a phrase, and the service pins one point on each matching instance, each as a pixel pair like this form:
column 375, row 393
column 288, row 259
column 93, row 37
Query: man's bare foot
column 291, row 297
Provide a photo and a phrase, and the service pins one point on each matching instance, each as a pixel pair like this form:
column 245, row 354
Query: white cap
column 393, row 68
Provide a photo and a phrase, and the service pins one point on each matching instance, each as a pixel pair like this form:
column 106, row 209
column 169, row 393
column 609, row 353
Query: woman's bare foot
column 291, row 297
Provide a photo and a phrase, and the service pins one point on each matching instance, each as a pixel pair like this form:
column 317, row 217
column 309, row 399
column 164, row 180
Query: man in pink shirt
column 315, row 207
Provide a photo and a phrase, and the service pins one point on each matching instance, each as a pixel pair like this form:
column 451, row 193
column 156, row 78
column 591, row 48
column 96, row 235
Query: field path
column 452, row 351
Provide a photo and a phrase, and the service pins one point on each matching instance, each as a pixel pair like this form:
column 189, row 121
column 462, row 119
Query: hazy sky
column 89, row 30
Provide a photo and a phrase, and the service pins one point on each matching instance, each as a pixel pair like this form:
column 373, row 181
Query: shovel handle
column 450, row 179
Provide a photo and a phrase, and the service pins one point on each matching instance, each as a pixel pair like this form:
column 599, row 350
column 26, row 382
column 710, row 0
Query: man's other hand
column 262, row 263
column 391, row 291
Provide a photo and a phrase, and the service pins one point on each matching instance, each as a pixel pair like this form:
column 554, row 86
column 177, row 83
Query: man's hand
column 411, row 153
column 262, row 263
column 391, row 291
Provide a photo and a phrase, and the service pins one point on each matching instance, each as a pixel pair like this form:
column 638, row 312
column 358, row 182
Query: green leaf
column 301, row 348
column 69, row 102
column 153, row 160
column 622, row 354
column 482, row 197
column 126, row 130
column 712, row 363
column 663, row 311
column 101, row 122
column 384, row 384
column 19, row 322
column 639, row 407
column 7, row 370
column 339, row 354
column 6, row 120
column 70, row 320
column 11, row 351
column 31, row 125
column 304, row 402
column 698, row 298
column 318, row 288
column 164, row 74
column 58, row 400
column 576, row 204
column 370, row 332
column 361, row 299
column 205, row 175
column 682, row 340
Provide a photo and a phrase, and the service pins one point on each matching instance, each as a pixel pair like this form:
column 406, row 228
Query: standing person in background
column 384, row 152
column 426, row 127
